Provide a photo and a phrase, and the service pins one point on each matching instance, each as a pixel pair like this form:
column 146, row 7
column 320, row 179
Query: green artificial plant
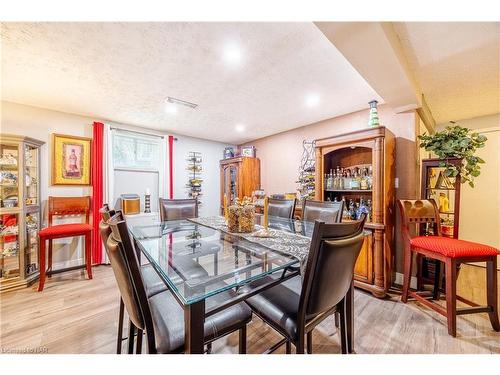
column 456, row 142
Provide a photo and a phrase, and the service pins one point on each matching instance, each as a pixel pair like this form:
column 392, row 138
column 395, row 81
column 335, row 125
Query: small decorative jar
column 241, row 216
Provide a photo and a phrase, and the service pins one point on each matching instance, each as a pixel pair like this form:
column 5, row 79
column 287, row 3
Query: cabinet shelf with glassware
column 19, row 210
column 358, row 168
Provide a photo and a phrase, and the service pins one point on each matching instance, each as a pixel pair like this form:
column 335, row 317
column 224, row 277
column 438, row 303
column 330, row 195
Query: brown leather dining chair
column 329, row 212
column 160, row 316
column 295, row 307
column 178, row 209
column 281, row 207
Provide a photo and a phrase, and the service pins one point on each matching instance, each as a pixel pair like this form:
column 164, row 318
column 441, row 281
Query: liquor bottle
column 352, row 210
column 327, row 182
column 369, row 208
column 363, row 183
column 370, row 177
column 345, row 210
column 347, row 180
column 338, row 179
column 355, row 181
column 362, row 209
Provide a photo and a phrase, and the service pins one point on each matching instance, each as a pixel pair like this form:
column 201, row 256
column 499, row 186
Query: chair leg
column 491, row 289
column 420, row 266
column 41, row 257
column 343, row 327
column 131, row 333
column 88, row 254
column 438, row 277
column 209, row 348
column 406, row 273
column 243, row 340
column 451, row 296
column 120, row 328
column 50, row 258
column 309, row 342
column 138, row 345
column 299, row 345
column 288, row 347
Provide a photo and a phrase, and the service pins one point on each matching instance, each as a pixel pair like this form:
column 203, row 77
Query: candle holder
column 241, row 216
column 147, row 203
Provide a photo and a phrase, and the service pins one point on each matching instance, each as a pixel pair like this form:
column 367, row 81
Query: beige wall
column 280, row 154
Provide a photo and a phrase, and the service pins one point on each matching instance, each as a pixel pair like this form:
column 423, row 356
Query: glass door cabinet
column 19, row 210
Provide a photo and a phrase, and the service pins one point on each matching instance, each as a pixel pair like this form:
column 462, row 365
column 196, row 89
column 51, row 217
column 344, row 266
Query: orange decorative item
column 452, row 252
column 61, row 206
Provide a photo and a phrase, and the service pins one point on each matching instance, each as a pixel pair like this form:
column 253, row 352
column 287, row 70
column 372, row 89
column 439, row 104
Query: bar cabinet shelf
column 368, row 149
column 19, row 210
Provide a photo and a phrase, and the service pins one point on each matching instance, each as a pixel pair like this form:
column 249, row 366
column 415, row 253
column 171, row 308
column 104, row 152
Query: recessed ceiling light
column 312, row 100
column 233, row 55
column 170, row 108
column 239, row 128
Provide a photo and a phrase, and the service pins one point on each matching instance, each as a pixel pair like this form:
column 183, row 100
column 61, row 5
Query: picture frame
column 71, row 160
column 248, row 151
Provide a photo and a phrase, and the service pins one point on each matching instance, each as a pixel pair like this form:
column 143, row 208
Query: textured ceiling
column 124, row 71
column 457, row 66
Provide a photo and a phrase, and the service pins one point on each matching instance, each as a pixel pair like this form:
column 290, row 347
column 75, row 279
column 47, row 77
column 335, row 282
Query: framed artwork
column 248, row 151
column 70, row 160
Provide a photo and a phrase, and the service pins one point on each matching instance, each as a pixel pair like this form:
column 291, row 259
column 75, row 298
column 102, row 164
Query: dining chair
column 295, row 307
column 281, row 207
column 329, row 212
column 452, row 252
column 161, row 316
column 178, row 209
column 65, row 206
column 152, row 281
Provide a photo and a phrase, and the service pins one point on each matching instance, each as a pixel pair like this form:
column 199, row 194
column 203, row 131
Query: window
column 137, row 163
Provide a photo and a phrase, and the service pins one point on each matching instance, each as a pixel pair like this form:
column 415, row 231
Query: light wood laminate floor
column 76, row 315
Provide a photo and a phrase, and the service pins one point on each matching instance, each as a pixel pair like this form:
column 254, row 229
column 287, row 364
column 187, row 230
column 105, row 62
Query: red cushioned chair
column 59, row 206
column 452, row 253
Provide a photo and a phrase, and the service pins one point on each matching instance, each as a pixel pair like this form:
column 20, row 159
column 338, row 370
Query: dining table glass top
column 197, row 261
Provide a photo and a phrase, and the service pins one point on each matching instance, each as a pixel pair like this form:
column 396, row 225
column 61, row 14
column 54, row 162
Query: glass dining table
column 197, row 262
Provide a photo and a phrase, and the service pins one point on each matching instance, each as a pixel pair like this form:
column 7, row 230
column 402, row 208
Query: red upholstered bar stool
column 62, row 206
column 451, row 252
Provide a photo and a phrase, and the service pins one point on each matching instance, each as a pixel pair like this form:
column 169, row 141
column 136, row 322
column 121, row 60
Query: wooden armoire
column 239, row 177
column 375, row 148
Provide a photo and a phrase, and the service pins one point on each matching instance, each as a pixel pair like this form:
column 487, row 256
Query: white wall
column 41, row 123
column 211, row 153
column 480, row 206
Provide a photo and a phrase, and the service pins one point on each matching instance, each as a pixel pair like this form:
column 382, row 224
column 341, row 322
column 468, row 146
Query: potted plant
column 456, row 142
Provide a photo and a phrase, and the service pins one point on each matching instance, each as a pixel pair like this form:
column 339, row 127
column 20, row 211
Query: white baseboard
column 399, row 280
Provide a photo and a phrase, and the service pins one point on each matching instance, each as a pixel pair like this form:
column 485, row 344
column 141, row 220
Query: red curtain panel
column 97, row 189
column 171, row 165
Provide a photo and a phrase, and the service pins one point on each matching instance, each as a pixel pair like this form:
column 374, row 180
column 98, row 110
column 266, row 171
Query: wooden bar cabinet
column 374, row 149
column 239, row 177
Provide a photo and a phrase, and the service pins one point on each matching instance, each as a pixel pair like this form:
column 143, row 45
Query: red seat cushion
column 65, row 229
column 452, row 248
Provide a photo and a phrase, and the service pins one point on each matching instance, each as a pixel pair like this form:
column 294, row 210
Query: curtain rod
column 137, row 132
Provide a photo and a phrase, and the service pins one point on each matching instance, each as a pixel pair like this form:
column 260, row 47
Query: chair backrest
column 60, row 206
column 416, row 212
column 330, row 265
column 329, row 212
column 281, row 207
column 104, row 228
column 127, row 271
column 178, row 209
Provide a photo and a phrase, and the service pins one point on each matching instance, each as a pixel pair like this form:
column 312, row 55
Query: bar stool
column 451, row 252
column 60, row 206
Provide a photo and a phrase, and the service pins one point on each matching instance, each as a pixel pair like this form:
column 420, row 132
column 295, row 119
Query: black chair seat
column 168, row 320
column 278, row 305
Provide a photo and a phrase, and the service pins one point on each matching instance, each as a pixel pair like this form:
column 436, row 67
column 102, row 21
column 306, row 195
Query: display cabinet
column 239, row 177
column 19, row 210
column 359, row 168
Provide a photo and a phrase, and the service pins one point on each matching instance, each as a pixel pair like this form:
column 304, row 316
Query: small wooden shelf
column 348, row 191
